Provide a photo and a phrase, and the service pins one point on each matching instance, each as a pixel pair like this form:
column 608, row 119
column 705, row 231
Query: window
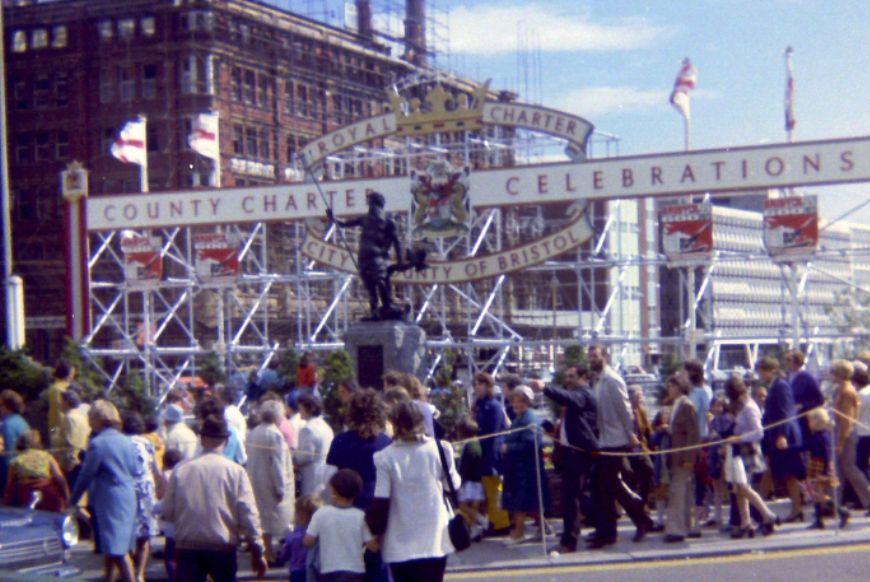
column 39, row 38
column 21, row 95
column 245, row 33
column 263, row 94
column 61, row 145
column 126, row 28
column 107, row 86
column 153, row 138
column 22, row 148
column 288, row 97
column 198, row 20
column 186, row 130
column 188, row 75
column 148, row 26
column 127, row 86
column 303, row 100
column 25, row 206
column 59, row 36
column 42, row 91
column 250, row 87
column 61, row 89
column 43, row 146
column 108, row 139
column 236, row 84
column 238, row 139
column 251, row 142
column 19, row 41
column 264, row 143
column 149, row 81
column 291, row 148
column 106, row 29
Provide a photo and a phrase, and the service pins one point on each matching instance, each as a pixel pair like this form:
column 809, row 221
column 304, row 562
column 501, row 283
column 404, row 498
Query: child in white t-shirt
column 341, row 531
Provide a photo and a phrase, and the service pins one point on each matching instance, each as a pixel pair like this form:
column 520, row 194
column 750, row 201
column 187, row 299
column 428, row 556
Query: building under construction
column 280, row 74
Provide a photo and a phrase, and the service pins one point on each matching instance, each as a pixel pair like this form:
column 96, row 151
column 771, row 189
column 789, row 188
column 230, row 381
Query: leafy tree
column 20, row 373
column 448, row 398
column 88, row 378
column 339, row 366
column 210, row 368
column 288, row 361
column 574, row 356
column 850, row 314
column 133, row 396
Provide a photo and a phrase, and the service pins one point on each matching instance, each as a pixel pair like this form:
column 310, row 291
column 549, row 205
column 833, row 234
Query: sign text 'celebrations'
column 734, row 169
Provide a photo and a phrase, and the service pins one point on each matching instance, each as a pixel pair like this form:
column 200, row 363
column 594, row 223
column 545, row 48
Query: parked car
column 35, row 543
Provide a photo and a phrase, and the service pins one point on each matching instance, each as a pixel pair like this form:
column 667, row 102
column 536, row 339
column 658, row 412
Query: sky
column 614, row 62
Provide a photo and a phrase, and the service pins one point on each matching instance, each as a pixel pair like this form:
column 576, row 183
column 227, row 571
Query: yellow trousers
column 498, row 517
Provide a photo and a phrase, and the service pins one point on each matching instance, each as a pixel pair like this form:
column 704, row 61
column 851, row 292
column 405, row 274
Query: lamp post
column 13, row 285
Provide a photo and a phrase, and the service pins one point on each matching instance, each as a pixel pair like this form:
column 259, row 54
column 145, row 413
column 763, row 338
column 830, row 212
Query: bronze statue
column 379, row 235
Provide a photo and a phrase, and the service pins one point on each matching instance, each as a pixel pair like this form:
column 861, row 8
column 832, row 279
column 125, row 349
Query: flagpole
column 143, row 169
column 217, row 142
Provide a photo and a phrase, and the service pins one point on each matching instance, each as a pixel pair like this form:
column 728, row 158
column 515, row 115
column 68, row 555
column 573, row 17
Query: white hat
column 525, row 391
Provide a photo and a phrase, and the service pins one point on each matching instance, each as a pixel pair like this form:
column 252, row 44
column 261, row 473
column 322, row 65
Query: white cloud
column 490, row 30
column 597, row 101
column 592, row 102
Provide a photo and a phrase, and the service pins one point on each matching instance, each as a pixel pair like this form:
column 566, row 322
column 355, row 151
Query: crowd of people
column 362, row 496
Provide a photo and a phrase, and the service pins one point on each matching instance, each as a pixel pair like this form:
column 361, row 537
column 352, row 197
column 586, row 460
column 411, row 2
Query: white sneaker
column 511, row 541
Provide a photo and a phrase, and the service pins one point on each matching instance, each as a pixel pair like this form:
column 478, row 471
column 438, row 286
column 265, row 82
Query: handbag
column 457, row 529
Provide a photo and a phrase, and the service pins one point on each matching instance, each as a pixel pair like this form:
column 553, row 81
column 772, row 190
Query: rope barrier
column 461, row 442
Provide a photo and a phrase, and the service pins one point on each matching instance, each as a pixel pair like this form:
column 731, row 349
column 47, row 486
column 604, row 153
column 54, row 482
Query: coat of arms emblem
column 440, row 205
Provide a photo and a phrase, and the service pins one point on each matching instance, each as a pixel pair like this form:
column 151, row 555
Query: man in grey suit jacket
column 615, row 435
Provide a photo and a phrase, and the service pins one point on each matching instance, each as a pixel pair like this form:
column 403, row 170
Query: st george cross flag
column 790, row 120
column 130, row 145
column 203, row 138
column 685, row 82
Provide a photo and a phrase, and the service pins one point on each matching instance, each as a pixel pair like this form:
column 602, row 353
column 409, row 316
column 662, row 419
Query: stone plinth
column 378, row 346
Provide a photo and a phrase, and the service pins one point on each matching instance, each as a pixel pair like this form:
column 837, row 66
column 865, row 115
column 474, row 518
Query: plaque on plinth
column 378, row 346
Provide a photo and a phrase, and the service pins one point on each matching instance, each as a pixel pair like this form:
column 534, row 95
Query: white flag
column 130, row 145
column 203, row 139
column 685, row 82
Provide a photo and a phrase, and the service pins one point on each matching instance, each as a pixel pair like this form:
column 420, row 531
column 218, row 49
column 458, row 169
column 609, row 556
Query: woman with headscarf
column 271, row 471
column 314, row 441
column 34, row 470
column 109, row 474
column 524, row 466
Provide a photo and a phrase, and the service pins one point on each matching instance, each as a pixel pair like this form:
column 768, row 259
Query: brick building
column 78, row 69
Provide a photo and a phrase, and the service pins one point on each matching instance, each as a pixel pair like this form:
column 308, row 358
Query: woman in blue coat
column 108, row 474
column 521, row 474
column 491, row 419
column 783, row 442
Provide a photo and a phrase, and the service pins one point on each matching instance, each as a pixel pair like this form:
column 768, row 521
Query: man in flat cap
column 211, row 503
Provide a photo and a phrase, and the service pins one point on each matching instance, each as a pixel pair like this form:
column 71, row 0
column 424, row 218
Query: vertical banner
column 687, row 232
column 791, row 227
column 217, row 257
column 143, row 264
column 74, row 190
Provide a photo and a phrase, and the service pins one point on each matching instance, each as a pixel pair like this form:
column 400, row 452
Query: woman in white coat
column 314, row 441
column 270, row 468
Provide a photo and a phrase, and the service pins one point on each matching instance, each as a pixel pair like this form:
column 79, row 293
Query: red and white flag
column 203, row 138
column 790, row 120
column 130, row 146
column 686, row 79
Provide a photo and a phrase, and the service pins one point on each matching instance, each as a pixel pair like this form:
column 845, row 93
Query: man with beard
column 615, row 435
column 576, row 440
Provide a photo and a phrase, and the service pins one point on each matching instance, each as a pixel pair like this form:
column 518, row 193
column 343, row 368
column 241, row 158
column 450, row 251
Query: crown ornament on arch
column 440, row 111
